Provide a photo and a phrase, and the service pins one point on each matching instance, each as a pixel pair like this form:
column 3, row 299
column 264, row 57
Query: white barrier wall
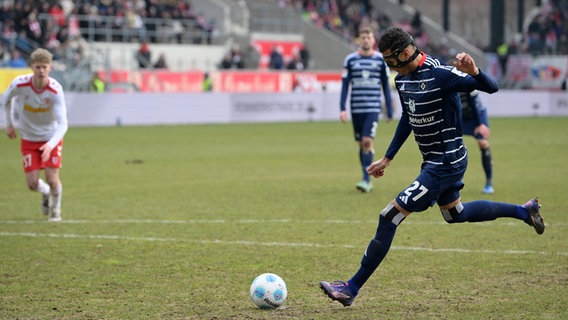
column 88, row 109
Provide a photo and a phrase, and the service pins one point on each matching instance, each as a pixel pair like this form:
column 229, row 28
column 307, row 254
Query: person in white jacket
column 40, row 115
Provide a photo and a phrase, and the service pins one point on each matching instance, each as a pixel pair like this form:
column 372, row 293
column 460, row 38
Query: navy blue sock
column 375, row 253
column 483, row 210
column 487, row 162
column 366, row 159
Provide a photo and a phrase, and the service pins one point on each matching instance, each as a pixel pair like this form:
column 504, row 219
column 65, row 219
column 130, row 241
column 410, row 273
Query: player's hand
column 377, row 168
column 465, row 63
column 343, row 116
column 45, row 152
column 483, row 130
column 11, row 132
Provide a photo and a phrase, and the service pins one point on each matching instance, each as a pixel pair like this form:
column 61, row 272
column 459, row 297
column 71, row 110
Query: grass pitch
column 174, row 222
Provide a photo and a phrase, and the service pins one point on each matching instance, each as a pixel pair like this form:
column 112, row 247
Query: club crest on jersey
column 365, row 74
column 412, row 105
column 422, row 86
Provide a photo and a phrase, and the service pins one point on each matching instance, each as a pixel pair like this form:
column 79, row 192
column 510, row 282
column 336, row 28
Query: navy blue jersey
column 473, row 108
column 474, row 113
column 431, row 109
column 367, row 76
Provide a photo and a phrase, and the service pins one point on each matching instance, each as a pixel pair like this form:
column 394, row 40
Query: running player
column 431, row 110
column 366, row 73
column 41, row 116
column 476, row 124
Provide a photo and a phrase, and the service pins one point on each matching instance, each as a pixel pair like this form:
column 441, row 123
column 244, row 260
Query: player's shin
column 378, row 248
column 487, row 161
column 366, row 157
column 56, row 197
column 43, row 187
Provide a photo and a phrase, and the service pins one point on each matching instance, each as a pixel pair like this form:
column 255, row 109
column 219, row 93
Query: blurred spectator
column 227, row 62
column 295, row 63
column 305, row 56
column 503, row 54
column 144, row 56
column 236, row 57
column 23, row 44
column 276, row 61
column 16, row 61
column 135, row 26
column 161, row 62
column 207, row 84
column 97, row 83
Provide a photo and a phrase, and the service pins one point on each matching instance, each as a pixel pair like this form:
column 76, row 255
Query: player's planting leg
column 366, row 158
column 345, row 292
column 55, row 209
column 45, row 191
column 483, row 210
column 487, row 162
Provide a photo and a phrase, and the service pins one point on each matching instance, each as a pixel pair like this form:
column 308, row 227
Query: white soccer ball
column 268, row 291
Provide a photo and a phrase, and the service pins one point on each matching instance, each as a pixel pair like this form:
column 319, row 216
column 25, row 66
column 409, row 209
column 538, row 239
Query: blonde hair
column 41, row 55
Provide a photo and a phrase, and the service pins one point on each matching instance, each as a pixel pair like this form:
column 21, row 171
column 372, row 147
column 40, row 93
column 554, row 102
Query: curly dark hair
column 393, row 38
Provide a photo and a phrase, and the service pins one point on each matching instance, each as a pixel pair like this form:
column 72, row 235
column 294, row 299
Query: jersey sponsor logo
column 423, row 86
column 365, row 74
column 421, row 120
column 31, row 109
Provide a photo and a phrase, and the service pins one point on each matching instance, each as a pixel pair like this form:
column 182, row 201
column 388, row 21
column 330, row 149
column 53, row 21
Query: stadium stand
column 87, row 36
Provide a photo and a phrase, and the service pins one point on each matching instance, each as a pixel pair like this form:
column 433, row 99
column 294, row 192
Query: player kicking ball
column 41, row 116
column 428, row 92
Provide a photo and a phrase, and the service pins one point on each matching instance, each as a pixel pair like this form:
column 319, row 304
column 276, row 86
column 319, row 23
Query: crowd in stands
column 548, row 31
column 64, row 26
column 547, row 34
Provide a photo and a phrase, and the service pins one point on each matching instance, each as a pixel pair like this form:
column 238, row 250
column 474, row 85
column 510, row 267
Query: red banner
column 288, row 49
column 223, row 81
column 153, row 81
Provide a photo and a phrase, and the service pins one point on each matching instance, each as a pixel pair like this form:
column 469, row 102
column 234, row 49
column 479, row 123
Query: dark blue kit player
column 431, row 110
column 476, row 124
column 366, row 74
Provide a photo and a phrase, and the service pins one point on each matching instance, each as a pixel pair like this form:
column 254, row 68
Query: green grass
column 174, row 222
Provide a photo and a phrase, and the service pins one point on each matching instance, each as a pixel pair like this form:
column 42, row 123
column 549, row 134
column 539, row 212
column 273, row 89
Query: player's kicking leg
column 483, row 210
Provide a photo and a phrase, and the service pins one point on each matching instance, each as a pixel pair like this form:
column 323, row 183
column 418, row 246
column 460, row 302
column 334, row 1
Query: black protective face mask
column 394, row 55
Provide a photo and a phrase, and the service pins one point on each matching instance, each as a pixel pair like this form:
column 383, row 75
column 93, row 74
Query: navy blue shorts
column 469, row 125
column 365, row 124
column 431, row 187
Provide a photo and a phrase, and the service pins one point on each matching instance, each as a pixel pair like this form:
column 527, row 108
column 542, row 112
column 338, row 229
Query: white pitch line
column 220, row 221
column 277, row 244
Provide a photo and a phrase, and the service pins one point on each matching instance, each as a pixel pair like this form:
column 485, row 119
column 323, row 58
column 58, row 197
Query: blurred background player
column 42, row 123
column 476, row 124
column 367, row 74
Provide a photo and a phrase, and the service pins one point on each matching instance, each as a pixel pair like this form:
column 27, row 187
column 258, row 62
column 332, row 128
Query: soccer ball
column 268, row 291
